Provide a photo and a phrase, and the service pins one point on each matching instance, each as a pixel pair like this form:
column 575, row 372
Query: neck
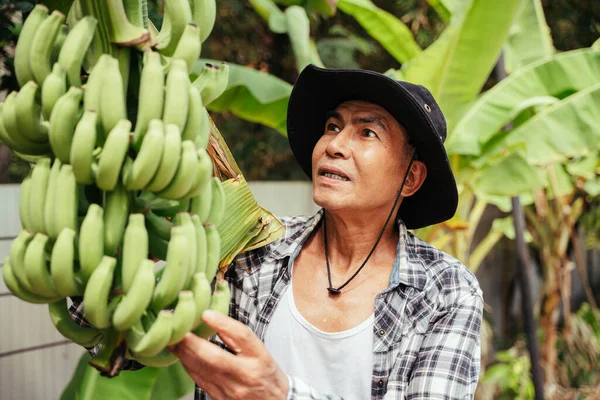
column 350, row 238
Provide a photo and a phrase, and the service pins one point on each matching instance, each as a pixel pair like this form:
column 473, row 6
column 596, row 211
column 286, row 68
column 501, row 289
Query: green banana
column 160, row 226
column 201, row 289
column 213, row 243
column 204, row 13
column 173, row 278
column 178, row 14
column 75, row 47
column 97, row 292
column 17, row 290
column 17, row 258
column 63, row 31
column 219, row 302
column 122, row 32
column 62, row 264
column 94, row 84
column 40, row 50
column 28, row 31
column 112, row 97
column 113, row 155
column 137, row 297
column 183, row 316
column 184, row 220
column 201, row 245
column 75, row 13
column 24, row 201
column 66, row 200
column 50, row 201
column 116, row 211
column 10, row 134
column 151, row 96
column 9, row 117
column 218, row 202
column 135, row 249
column 177, row 94
column 169, row 208
column 64, row 118
column 185, row 175
column 189, row 46
column 202, row 183
column 195, row 129
column 36, row 267
column 28, row 114
column 147, row 161
column 91, row 241
column 55, row 86
column 212, row 82
column 83, row 146
column 161, row 360
column 37, row 198
column 200, row 204
column 66, row 326
column 169, row 160
column 155, row 340
column 204, row 137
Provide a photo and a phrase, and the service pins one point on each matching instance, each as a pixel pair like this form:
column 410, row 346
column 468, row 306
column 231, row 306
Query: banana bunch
column 121, row 176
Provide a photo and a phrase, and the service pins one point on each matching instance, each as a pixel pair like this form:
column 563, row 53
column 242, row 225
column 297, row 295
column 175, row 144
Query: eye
column 332, row 127
column 369, row 133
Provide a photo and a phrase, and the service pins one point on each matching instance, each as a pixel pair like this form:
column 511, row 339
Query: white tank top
column 339, row 363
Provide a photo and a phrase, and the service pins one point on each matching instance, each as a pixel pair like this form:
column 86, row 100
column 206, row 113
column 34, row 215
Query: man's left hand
column 250, row 374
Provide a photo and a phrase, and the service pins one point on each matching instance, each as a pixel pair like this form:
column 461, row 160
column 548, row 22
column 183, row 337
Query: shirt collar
column 408, row 268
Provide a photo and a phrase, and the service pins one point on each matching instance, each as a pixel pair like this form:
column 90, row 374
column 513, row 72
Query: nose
column 338, row 146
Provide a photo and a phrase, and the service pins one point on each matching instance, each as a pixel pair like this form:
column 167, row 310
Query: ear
column 415, row 178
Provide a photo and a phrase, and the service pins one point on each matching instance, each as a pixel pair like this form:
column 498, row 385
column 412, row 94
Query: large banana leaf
column 510, row 177
column 529, row 38
column 567, row 129
column 388, row 30
column 298, row 30
column 252, row 95
column 554, row 78
column 457, row 65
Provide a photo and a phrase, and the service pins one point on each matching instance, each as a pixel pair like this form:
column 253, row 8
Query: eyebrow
column 379, row 121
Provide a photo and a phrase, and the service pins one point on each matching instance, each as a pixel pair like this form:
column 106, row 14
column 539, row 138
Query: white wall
column 44, row 362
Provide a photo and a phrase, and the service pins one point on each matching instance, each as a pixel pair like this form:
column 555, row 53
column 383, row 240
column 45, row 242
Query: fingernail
column 209, row 315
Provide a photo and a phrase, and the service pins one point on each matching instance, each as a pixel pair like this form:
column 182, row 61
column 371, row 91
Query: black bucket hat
column 318, row 91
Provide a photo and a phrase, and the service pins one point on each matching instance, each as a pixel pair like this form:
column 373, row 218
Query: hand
column 250, row 374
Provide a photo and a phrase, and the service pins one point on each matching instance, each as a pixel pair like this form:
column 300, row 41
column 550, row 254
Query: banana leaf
column 510, row 177
column 244, row 220
column 298, row 30
column 559, row 132
column 529, row 38
column 388, row 30
column 252, row 95
column 441, row 8
column 169, row 383
column 557, row 77
column 455, row 67
column 586, row 167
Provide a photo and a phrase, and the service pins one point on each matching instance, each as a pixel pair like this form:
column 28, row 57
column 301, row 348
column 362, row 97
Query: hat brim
column 318, row 91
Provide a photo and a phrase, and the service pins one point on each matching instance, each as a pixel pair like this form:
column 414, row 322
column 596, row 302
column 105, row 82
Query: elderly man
column 349, row 304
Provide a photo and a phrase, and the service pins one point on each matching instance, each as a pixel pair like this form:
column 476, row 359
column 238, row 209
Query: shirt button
column 381, row 332
column 271, row 303
column 380, row 383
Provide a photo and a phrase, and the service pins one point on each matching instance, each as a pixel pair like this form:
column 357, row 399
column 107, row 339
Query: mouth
column 333, row 173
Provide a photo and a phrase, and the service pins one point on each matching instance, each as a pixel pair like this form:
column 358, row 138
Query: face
column 359, row 162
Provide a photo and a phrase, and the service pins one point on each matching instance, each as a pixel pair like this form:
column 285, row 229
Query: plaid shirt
column 426, row 334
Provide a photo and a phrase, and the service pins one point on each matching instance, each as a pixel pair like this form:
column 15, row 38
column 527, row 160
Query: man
column 349, row 304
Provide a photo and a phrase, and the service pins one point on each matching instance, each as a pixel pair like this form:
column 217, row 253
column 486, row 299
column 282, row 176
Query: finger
column 237, row 336
column 200, row 354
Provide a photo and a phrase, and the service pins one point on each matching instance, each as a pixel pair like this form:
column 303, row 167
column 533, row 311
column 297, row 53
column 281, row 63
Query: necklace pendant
column 334, row 291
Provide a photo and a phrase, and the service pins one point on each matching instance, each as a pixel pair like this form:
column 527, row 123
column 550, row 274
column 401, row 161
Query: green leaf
column 585, row 167
column 510, row 177
column 441, row 9
column 252, row 95
column 172, row 382
column 506, row 227
column 557, row 77
column 87, row 383
column 298, row 29
column 388, row 30
column 564, row 182
column 455, row 67
column 568, row 129
column 529, row 38
column 324, row 7
column 592, row 187
column 269, row 12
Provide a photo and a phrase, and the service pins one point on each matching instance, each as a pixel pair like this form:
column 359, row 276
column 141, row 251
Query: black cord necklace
column 337, row 291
